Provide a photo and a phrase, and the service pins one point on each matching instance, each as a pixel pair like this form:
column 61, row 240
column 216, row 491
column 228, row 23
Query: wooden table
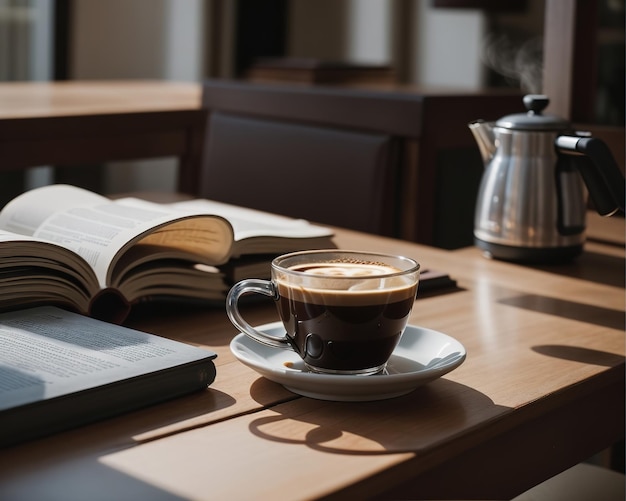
column 91, row 122
column 541, row 390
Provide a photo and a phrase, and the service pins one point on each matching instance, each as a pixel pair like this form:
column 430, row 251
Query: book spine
column 109, row 305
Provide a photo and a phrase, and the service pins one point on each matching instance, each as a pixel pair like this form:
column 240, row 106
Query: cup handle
column 264, row 287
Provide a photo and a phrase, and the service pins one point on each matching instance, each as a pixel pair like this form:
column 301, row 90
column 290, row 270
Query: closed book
column 60, row 369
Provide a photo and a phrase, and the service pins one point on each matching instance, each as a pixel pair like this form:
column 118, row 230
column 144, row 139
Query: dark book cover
column 60, row 370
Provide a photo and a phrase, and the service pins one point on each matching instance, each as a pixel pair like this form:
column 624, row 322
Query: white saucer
column 421, row 356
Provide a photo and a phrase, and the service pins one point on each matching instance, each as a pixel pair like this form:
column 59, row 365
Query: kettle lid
column 533, row 119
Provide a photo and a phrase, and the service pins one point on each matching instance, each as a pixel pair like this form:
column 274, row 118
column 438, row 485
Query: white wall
column 369, row 31
column 159, row 39
column 118, row 39
column 42, row 49
column 448, row 46
column 184, row 45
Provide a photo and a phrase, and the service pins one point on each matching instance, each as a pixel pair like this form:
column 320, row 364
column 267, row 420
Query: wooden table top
column 87, row 123
column 542, row 388
column 71, row 98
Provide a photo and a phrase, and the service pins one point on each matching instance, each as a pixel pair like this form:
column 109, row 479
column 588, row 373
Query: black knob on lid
column 536, row 103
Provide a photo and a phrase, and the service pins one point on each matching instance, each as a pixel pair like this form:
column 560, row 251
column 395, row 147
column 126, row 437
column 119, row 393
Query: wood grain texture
column 542, row 389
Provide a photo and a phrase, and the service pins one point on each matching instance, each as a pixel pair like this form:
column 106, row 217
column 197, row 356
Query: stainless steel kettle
column 531, row 205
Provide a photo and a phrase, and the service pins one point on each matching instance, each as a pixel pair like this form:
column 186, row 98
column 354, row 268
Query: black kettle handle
column 604, row 180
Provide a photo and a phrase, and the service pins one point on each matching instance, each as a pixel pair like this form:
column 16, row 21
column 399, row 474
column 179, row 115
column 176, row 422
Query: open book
column 59, row 370
column 67, row 246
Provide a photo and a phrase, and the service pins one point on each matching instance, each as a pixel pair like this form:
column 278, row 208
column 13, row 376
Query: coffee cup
column 343, row 311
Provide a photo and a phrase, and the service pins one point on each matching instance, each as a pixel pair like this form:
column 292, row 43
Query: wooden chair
column 338, row 177
column 329, row 156
column 351, row 157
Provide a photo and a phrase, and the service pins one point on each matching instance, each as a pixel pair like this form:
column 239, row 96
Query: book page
column 47, row 352
column 98, row 229
column 246, row 223
column 27, row 212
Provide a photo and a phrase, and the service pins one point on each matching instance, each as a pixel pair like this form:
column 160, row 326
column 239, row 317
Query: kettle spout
column 484, row 136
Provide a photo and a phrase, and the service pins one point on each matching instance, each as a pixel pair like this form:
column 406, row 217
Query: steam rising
column 520, row 62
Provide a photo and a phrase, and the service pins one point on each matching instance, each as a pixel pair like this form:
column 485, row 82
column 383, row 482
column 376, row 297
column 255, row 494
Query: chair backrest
column 332, row 156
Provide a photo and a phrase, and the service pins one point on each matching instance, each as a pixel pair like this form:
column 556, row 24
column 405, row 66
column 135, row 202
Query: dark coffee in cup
column 349, row 324
column 343, row 311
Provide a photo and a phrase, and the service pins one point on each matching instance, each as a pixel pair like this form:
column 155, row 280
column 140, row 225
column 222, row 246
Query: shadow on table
column 81, row 459
column 592, row 266
column 430, row 413
column 597, row 315
column 578, row 354
column 127, row 429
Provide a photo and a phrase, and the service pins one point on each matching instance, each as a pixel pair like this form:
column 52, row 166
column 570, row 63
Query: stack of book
column 65, row 246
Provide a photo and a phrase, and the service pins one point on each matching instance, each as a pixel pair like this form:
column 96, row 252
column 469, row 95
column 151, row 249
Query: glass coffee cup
column 343, row 311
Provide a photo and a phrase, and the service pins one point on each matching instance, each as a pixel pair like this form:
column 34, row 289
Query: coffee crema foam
column 346, row 269
column 346, row 282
